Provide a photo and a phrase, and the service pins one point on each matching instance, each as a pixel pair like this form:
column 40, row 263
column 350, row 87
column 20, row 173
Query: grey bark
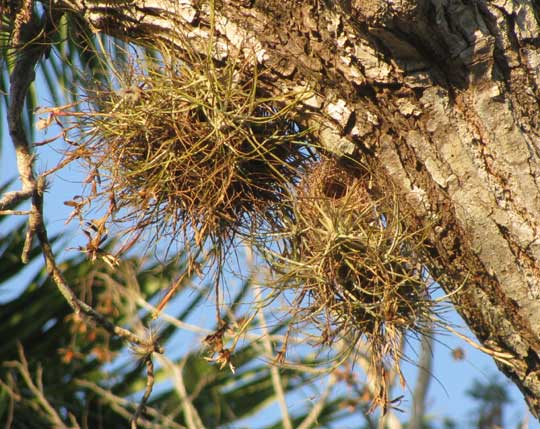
column 442, row 95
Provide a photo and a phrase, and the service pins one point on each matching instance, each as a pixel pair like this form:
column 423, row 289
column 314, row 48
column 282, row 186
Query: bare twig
column 11, row 407
column 316, row 410
column 35, row 219
column 22, row 76
column 122, row 407
column 499, row 356
column 147, row 391
column 36, row 388
column 193, row 420
column 11, row 199
column 131, row 294
column 359, row 358
column 14, row 212
column 274, row 370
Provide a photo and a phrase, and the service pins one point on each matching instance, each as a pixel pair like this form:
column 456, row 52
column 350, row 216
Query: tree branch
column 447, row 112
column 11, row 199
column 316, row 410
column 274, row 370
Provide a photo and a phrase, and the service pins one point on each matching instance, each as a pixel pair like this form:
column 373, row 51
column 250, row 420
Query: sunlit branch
column 36, row 38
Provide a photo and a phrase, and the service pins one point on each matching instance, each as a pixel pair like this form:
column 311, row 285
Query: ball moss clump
column 356, row 271
column 197, row 152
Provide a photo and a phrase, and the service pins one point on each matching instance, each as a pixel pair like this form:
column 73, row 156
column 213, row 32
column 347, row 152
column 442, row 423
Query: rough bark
column 441, row 94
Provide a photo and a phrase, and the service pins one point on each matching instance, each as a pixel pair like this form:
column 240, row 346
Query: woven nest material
column 195, row 153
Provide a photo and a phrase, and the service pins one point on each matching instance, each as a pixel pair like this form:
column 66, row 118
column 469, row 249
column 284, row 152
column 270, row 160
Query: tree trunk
column 442, row 95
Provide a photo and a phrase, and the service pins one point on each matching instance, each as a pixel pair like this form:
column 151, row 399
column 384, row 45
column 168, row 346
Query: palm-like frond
column 68, row 352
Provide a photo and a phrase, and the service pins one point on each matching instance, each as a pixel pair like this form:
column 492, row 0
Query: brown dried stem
column 37, row 37
column 147, row 392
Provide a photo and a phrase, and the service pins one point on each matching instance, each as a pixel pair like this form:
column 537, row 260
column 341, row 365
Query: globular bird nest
column 194, row 151
column 355, row 268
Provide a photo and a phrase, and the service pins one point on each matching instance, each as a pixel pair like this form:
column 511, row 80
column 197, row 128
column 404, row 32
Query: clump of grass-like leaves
column 354, row 267
column 193, row 151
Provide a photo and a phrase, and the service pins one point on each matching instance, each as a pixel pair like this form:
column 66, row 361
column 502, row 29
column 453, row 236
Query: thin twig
column 80, row 307
column 141, row 302
column 193, row 420
column 35, row 220
column 9, row 388
column 274, row 370
column 11, row 406
column 147, row 391
column 11, row 199
column 39, row 38
column 36, row 387
column 121, row 405
column 20, row 80
column 15, row 212
column 422, row 381
column 499, row 356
